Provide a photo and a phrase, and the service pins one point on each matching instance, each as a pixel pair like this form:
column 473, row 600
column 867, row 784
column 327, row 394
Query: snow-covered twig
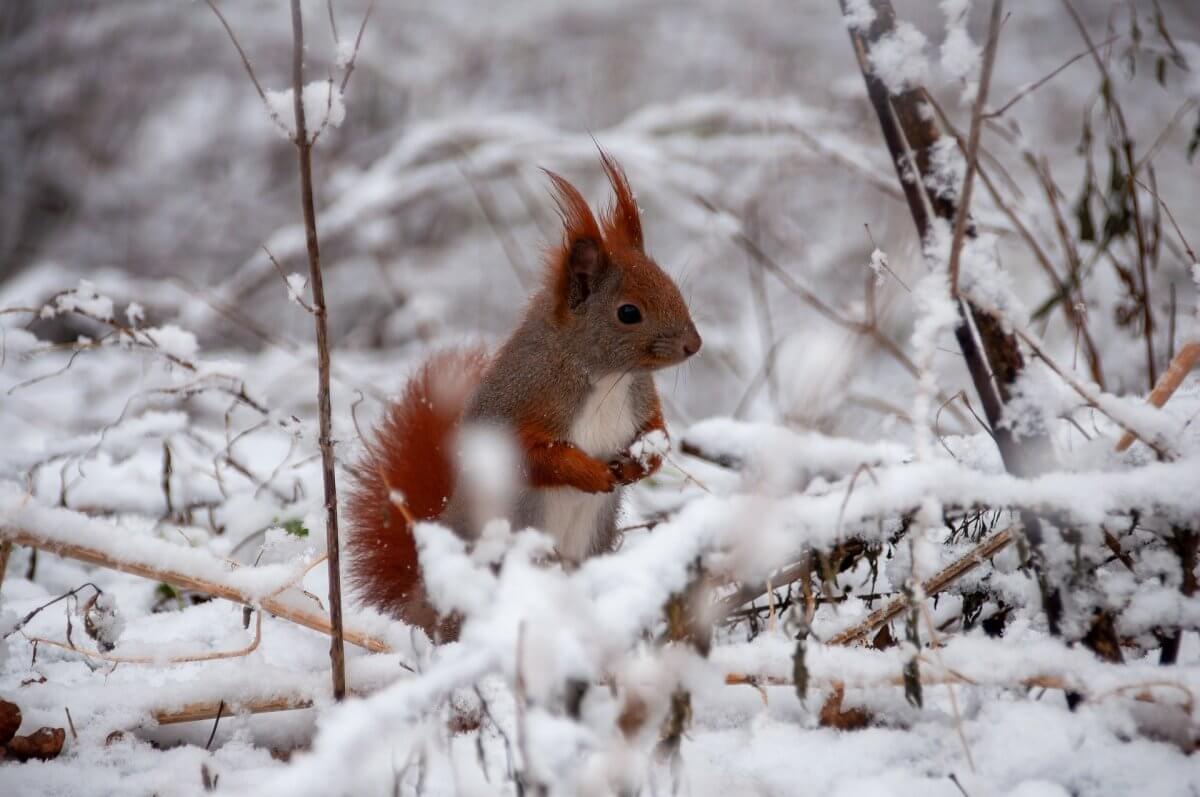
column 75, row 536
column 1183, row 364
column 964, row 196
column 931, row 586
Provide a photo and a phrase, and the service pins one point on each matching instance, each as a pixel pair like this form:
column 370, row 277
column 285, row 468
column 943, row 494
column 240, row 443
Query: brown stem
column 337, row 650
column 964, row 199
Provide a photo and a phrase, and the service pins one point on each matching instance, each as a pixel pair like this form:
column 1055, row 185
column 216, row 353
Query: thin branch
column 337, row 653
column 292, row 294
column 1032, row 87
column 357, row 43
column 964, row 198
column 1191, row 253
column 262, row 95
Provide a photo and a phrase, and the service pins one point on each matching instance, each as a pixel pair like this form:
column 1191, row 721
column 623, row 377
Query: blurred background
column 134, row 152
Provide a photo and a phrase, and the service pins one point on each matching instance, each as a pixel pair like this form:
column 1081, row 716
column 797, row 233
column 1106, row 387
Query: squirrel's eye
column 628, row 314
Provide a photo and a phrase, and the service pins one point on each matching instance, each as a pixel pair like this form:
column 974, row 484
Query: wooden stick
column 206, row 710
column 932, row 586
column 290, row 604
column 1187, row 359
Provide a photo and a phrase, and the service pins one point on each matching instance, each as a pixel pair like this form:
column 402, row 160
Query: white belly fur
column 604, row 426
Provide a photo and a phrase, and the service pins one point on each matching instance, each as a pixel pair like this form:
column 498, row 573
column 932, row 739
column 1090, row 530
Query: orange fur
column 409, row 462
column 622, row 223
column 578, row 225
column 557, row 463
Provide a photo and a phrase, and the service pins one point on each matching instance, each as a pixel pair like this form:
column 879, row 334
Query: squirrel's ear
column 622, row 222
column 575, row 265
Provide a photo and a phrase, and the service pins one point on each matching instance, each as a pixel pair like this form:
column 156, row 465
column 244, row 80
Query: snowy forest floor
column 830, row 456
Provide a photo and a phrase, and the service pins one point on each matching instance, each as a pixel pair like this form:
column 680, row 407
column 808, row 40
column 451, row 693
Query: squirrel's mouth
column 668, row 351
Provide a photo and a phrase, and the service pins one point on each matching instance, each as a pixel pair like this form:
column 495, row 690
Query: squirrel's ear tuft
column 622, row 222
column 575, row 265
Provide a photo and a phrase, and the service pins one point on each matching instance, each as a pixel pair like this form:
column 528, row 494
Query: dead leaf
column 832, row 715
column 43, row 744
column 10, row 721
column 632, row 716
column 883, row 640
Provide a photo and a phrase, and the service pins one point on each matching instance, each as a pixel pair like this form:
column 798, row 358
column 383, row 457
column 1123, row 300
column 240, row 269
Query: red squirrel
column 573, row 386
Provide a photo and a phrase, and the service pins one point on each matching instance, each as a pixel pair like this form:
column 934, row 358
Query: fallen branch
column 290, row 604
column 206, row 710
column 950, row 677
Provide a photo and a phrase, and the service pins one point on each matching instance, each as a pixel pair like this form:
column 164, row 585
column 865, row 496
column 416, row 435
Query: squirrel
column 573, row 387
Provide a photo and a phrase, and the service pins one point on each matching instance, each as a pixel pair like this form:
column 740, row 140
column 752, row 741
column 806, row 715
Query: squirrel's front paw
column 648, row 451
column 626, row 470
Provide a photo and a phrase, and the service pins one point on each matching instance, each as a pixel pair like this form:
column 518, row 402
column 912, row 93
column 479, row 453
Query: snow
column 879, row 265
column 187, row 443
column 83, row 299
column 297, row 284
column 323, row 105
column 960, row 56
column 173, row 341
column 859, row 14
column 898, row 59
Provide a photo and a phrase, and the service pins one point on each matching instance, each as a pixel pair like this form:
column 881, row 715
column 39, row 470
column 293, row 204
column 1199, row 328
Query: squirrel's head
column 607, row 292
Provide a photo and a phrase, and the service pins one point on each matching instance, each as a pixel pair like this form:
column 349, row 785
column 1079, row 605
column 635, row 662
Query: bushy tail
column 408, row 468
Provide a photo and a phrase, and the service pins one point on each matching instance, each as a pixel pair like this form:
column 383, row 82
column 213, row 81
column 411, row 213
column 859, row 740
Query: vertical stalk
column 337, row 653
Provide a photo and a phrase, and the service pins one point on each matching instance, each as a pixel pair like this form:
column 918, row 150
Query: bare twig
column 216, row 722
column 1032, row 87
column 870, row 330
column 1191, row 253
column 964, row 198
column 292, row 294
column 357, row 43
column 337, row 653
column 262, row 95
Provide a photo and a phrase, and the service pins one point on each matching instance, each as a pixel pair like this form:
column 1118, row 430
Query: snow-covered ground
column 158, row 405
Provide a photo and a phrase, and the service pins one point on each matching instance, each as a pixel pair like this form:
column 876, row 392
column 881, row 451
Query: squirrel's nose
column 691, row 341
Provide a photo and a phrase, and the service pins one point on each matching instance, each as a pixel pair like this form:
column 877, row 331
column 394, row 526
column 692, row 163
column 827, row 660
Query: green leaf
column 295, row 527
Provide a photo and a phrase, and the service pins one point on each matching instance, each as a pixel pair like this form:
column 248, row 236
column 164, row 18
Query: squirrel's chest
column 603, row 427
column 605, row 424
